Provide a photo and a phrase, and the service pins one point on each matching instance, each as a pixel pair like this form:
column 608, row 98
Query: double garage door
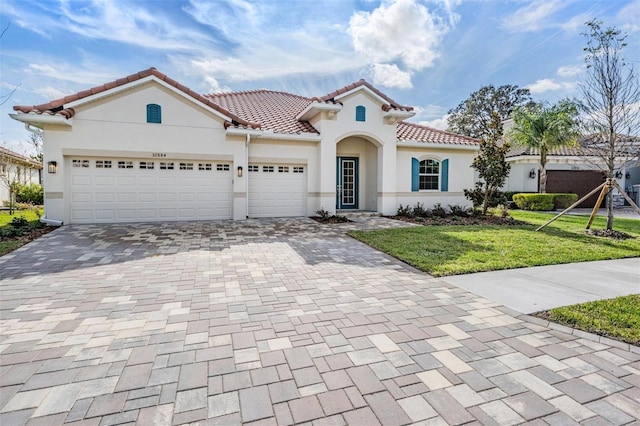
column 111, row 190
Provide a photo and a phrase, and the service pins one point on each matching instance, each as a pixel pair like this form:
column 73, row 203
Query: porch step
column 350, row 214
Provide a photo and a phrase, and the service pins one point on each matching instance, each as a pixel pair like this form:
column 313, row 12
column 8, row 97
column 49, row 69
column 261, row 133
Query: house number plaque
column 159, row 154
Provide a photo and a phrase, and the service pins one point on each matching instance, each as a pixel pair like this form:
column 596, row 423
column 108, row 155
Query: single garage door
column 579, row 182
column 277, row 190
column 109, row 190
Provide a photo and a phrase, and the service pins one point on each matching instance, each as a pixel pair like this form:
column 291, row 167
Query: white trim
column 316, row 107
column 366, row 89
column 303, row 137
column 42, row 119
column 393, row 116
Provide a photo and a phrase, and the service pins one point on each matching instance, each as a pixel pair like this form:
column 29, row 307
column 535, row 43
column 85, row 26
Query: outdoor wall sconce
column 618, row 175
column 52, row 167
column 627, row 175
column 239, row 171
column 532, row 173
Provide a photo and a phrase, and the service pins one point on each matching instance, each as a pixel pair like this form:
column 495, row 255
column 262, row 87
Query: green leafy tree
column 492, row 168
column 610, row 103
column 545, row 127
column 473, row 116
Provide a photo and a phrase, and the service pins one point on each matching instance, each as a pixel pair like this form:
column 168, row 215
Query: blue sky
column 424, row 53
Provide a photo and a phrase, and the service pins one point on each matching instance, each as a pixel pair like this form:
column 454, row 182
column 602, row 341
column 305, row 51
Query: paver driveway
column 277, row 321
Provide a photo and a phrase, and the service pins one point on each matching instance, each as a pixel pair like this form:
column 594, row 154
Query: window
column 267, row 169
column 298, row 170
column 103, row 164
column 80, row 163
column 166, row 166
column 361, row 113
column 125, row 164
column 283, row 169
column 429, row 175
column 222, row 167
column 204, row 166
column 186, row 166
column 147, row 165
column 253, row 168
column 154, row 113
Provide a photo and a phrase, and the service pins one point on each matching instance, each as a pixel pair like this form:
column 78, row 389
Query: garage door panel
column 275, row 191
column 140, row 193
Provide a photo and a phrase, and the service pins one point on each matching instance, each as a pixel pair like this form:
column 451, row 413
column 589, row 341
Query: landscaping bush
column 461, row 211
column 509, row 194
column 30, row 194
column 419, row 210
column 438, row 210
column 537, row 202
column 405, row 211
column 562, row 201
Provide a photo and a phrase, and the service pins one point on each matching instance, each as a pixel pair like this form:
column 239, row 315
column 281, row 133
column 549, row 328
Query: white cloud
column 398, row 30
column 629, row 17
column 389, row 75
column 547, row 85
column 50, row 92
column 532, row 17
column 437, row 123
column 569, row 70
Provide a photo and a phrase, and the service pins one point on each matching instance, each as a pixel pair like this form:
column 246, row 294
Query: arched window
column 361, row 113
column 154, row 113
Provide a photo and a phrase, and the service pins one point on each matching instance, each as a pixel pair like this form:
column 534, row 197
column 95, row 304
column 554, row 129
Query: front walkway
column 277, row 321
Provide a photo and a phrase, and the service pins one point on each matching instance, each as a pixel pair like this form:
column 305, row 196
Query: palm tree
column 545, row 127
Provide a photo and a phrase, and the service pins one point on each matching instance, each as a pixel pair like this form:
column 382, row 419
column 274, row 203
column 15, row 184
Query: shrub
column 19, row 222
column 30, row 194
column 405, row 211
column 419, row 210
column 439, row 211
column 458, row 210
column 323, row 213
column 538, row 202
column 562, row 201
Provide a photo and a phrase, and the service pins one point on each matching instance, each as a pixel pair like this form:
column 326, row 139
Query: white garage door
column 278, row 190
column 130, row 190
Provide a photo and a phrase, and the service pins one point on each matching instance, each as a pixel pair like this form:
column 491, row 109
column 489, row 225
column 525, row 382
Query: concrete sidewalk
column 529, row 290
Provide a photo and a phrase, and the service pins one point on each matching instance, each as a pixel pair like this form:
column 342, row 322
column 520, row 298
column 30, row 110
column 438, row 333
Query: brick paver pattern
column 282, row 321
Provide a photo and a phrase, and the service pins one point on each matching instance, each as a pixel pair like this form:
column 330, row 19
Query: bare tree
column 4, row 97
column 610, row 103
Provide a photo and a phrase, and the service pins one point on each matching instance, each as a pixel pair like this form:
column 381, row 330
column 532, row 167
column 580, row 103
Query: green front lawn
column 7, row 246
column 617, row 318
column 460, row 249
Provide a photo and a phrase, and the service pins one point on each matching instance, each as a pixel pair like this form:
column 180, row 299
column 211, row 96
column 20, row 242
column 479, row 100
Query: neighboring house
column 16, row 168
column 146, row 148
column 569, row 170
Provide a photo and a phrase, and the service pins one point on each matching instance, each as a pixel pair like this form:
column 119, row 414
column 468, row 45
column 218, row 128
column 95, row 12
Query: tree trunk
column 485, row 202
column 543, row 180
column 610, row 210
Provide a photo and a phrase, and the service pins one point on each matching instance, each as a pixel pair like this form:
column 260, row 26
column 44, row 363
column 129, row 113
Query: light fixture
column 239, row 171
column 532, row 173
column 618, row 174
column 627, row 175
column 52, row 167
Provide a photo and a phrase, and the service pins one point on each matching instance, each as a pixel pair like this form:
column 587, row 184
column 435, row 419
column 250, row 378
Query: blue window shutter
column 415, row 175
column 154, row 114
column 361, row 113
column 444, row 186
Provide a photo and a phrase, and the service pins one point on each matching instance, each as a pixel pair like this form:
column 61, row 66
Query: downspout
column 246, row 179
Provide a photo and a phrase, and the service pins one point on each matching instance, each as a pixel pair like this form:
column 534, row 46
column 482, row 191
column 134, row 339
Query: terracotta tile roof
column 415, row 132
column 20, row 157
column 567, row 151
column 260, row 109
column 57, row 106
column 391, row 103
column 275, row 111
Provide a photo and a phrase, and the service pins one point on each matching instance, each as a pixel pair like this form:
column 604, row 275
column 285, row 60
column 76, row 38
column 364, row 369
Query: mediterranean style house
column 146, row 148
column 17, row 168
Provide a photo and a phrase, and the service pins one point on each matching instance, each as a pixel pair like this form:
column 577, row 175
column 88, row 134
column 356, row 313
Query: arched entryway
column 357, row 164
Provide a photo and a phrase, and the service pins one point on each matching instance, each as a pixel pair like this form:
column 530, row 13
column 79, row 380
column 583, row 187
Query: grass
column 6, row 218
column 460, row 249
column 617, row 318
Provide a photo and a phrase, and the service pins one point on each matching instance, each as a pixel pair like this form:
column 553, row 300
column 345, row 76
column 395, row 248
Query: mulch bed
column 460, row 220
column 30, row 235
column 330, row 219
column 609, row 233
